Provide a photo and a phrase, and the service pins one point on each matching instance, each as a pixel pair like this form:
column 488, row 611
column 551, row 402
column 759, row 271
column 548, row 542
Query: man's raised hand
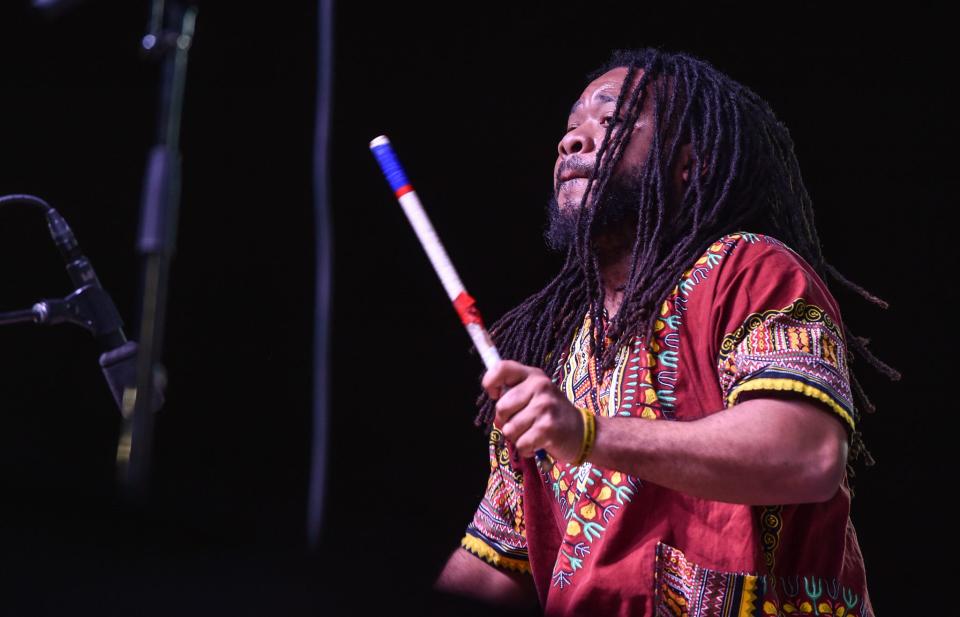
column 532, row 412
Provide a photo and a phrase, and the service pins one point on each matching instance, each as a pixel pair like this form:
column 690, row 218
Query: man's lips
column 565, row 182
column 573, row 170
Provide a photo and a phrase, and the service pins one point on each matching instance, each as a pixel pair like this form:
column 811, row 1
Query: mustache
column 575, row 164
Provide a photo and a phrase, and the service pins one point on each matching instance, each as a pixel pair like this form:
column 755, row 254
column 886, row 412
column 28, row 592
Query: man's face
column 577, row 155
column 586, row 126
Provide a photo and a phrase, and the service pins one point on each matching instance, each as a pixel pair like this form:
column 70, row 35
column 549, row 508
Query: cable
column 23, row 198
column 324, row 286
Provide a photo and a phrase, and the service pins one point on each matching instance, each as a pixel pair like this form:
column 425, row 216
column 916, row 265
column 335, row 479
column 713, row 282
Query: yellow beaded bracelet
column 589, row 436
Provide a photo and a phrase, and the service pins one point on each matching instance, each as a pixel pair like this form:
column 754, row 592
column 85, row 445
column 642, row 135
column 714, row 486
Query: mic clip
column 89, row 307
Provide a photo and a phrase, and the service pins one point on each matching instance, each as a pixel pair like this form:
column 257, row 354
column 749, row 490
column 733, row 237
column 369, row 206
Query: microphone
column 107, row 325
column 90, row 307
column 118, row 360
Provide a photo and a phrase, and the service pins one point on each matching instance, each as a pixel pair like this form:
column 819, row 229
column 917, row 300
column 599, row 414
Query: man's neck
column 614, row 271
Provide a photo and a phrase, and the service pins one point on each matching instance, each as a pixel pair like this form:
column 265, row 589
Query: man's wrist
column 589, row 437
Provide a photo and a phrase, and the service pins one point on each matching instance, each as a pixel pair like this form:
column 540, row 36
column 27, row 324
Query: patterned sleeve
column 496, row 533
column 780, row 330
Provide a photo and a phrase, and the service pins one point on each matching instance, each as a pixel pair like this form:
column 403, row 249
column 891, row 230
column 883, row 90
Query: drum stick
column 464, row 304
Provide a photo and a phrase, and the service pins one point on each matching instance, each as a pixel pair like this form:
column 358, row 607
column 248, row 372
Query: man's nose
column 577, row 141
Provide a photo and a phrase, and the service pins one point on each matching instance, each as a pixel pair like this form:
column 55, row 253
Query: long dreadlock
column 750, row 180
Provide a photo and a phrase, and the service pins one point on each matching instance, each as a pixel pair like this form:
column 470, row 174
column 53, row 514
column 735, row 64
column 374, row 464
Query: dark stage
column 474, row 98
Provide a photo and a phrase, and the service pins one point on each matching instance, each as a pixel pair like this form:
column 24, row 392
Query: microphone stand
column 168, row 40
column 88, row 307
column 16, row 317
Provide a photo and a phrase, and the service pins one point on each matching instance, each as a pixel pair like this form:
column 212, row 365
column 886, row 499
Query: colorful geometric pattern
column 797, row 348
column 688, row 590
column 641, row 384
column 588, row 497
column 771, row 524
column 496, row 533
column 666, row 346
column 685, row 589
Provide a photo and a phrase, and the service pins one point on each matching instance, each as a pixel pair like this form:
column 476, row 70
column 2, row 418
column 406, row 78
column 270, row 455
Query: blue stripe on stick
column 390, row 166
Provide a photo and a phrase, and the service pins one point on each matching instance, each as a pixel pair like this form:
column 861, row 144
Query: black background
column 474, row 98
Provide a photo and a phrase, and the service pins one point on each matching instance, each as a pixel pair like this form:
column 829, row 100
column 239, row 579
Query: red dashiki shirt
column 749, row 316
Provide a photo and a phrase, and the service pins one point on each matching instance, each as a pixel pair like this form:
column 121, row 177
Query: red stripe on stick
column 467, row 309
column 403, row 190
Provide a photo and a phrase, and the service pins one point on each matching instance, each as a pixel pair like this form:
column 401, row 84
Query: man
column 672, row 436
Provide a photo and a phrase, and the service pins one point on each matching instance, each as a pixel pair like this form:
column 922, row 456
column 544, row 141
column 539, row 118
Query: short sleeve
column 496, row 533
column 779, row 329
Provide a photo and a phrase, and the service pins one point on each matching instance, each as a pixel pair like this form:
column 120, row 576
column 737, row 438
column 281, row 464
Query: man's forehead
column 604, row 89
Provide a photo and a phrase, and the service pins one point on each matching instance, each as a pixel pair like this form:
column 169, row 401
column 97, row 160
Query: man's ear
column 684, row 161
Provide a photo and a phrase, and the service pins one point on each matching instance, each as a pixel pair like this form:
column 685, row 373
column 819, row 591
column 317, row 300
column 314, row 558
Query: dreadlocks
column 750, row 180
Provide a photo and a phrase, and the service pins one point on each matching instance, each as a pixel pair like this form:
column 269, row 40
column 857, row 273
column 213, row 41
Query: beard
column 615, row 219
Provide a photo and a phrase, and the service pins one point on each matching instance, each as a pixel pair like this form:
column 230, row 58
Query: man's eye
column 611, row 120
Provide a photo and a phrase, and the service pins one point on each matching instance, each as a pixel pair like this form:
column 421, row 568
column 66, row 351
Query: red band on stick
column 467, row 309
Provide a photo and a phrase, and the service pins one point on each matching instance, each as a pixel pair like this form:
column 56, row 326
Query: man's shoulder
column 737, row 254
column 752, row 246
column 730, row 255
column 748, row 270
column 759, row 273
